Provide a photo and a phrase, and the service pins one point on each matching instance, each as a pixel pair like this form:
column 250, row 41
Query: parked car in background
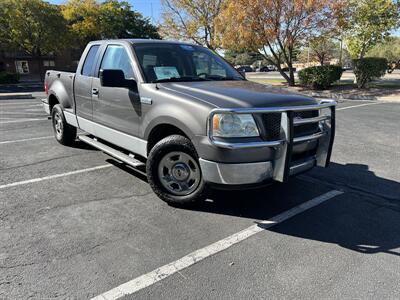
column 264, row 69
column 286, row 69
column 347, row 67
column 187, row 116
column 244, row 69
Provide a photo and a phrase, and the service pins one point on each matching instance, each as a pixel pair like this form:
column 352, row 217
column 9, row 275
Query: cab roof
column 143, row 41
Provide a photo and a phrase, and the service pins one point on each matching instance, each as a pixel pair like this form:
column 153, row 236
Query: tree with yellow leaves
column 276, row 28
column 90, row 20
column 192, row 20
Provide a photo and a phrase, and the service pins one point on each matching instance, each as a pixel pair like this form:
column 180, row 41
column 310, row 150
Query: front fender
column 192, row 121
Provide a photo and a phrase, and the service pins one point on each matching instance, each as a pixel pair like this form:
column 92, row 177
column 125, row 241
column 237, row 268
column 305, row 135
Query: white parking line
column 31, row 103
column 359, row 105
column 23, row 120
column 21, row 113
column 53, row 176
column 163, row 272
column 26, row 140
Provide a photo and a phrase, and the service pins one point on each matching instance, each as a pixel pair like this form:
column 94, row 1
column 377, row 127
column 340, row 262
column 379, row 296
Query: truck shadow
column 366, row 218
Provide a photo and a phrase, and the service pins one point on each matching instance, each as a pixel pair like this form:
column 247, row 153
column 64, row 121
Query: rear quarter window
column 89, row 60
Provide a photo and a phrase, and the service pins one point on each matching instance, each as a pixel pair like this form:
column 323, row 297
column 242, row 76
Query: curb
column 393, row 99
column 344, row 97
column 8, row 96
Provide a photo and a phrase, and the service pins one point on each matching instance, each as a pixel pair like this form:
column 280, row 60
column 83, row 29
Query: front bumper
column 284, row 166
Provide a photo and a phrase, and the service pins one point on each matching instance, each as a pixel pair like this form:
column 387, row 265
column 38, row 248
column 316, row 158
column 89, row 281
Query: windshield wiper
column 218, row 77
column 179, row 79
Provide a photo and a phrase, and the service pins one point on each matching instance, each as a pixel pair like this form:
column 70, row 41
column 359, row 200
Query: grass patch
column 380, row 84
column 271, row 81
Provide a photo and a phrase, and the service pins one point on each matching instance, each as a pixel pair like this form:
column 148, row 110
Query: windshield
column 180, row 62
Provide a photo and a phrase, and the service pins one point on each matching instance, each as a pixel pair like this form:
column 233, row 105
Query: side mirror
column 116, row 78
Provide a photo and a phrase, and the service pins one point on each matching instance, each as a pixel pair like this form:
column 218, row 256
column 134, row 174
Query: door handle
column 95, row 91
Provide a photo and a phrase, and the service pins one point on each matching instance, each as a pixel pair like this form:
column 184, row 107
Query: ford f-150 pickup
column 188, row 116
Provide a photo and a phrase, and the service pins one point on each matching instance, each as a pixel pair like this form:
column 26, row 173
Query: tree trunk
column 284, row 75
column 291, row 81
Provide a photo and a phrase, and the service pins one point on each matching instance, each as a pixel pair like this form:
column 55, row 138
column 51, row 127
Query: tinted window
column 89, row 61
column 117, row 58
column 181, row 62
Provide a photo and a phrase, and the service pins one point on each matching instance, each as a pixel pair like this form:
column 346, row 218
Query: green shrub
column 6, row 77
column 369, row 68
column 320, row 77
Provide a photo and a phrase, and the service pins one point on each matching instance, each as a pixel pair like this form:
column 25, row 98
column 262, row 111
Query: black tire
column 64, row 133
column 174, row 144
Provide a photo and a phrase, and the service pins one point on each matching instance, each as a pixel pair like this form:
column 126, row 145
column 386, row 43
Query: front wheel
column 65, row 134
column 174, row 173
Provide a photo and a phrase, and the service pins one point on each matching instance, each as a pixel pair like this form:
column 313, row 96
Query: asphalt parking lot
column 75, row 223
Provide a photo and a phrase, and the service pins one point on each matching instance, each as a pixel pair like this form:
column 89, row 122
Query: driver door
column 115, row 107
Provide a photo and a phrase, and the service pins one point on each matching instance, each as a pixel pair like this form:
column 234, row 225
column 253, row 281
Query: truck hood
column 237, row 94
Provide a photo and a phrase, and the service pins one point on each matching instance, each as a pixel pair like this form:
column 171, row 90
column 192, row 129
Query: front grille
column 305, row 129
column 272, row 124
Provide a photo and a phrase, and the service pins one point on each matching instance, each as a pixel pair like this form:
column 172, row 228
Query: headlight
column 234, row 125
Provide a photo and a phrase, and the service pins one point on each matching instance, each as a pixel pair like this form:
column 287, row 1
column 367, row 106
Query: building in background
column 17, row 61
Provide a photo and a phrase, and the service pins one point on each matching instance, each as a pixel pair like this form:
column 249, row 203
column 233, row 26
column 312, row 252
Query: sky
column 148, row 8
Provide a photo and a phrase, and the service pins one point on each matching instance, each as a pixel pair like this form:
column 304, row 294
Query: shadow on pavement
column 358, row 177
column 22, row 87
column 357, row 221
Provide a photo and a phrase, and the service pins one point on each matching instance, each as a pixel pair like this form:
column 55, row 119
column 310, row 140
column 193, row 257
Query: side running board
column 111, row 151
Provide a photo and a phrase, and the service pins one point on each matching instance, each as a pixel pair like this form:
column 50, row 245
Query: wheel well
column 53, row 101
column 161, row 131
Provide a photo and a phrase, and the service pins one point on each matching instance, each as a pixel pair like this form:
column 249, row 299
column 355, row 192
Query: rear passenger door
column 83, row 82
column 117, row 108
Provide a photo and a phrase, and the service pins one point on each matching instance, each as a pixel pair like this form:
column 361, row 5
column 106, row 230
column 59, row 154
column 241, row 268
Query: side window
column 89, row 60
column 117, row 58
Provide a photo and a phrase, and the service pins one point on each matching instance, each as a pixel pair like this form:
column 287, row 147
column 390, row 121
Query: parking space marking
column 21, row 113
column 32, row 103
column 23, row 120
column 359, row 105
column 165, row 271
column 4, row 186
column 26, row 140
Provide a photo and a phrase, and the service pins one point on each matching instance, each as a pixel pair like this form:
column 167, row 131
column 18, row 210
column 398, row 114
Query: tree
column 242, row 57
column 90, row 20
column 368, row 23
column 276, row 28
column 322, row 48
column 390, row 50
column 192, row 20
column 118, row 20
column 33, row 26
column 82, row 19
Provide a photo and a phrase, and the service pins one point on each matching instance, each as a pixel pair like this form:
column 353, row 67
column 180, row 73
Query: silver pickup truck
column 188, row 116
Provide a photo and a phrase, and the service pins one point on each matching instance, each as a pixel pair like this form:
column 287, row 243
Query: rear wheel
column 174, row 172
column 64, row 133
